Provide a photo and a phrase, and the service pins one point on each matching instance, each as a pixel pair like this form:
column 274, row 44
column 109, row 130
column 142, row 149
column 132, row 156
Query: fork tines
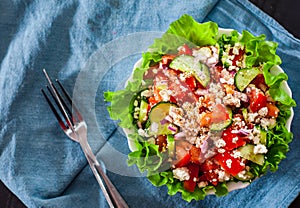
column 64, row 103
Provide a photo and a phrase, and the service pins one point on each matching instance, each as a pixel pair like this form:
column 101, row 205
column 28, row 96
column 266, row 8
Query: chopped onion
column 204, row 146
column 243, row 132
column 172, row 128
column 164, row 121
column 179, row 135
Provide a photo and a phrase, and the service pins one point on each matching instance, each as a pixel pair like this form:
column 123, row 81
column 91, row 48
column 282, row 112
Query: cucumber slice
column 143, row 111
column 160, row 111
column 186, row 63
column 245, row 114
column 138, row 108
column 223, row 124
column 244, row 76
column 157, row 115
column 247, row 152
column 263, row 137
column 171, row 145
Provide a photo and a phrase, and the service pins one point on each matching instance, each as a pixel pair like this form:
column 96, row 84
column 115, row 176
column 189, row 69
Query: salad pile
column 205, row 109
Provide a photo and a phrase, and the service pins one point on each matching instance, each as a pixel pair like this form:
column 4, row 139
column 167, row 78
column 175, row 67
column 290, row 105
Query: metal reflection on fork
column 74, row 126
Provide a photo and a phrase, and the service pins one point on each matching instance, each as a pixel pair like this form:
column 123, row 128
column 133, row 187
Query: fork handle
column 113, row 192
column 113, row 197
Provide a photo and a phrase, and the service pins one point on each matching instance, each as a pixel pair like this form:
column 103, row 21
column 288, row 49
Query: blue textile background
column 44, row 168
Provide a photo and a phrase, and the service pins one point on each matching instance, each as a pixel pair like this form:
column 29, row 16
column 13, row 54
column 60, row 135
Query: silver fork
column 75, row 128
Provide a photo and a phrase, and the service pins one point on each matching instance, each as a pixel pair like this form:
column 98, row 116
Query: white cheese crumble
column 221, row 150
column 229, row 99
column 220, row 143
column 263, row 111
column 260, row 149
column 228, row 163
column 236, row 154
column 223, row 176
column 164, row 94
column 202, row 184
column 181, row 173
column 176, row 115
column 147, row 93
column 252, row 117
column 208, row 55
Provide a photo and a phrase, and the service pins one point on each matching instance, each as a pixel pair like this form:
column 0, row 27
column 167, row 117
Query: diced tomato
column 259, row 82
column 208, row 165
column 151, row 72
column 219, row 114
column 182, row 92
column 232, row 140
column 191, row 83
column 185, row 49
column 272, row 110
column 166, row 59
column 206, row 119
column 152, row 101
column 230, row 164
column 190, row 184
column 182, row 156
column 173, row 99
column 257, row 100
column 238, row 57
column 195, row 153
column 219, row 68
column 212, row 177
column 209, row 174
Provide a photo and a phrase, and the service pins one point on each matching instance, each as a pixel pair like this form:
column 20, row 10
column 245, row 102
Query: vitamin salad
column 205, row 109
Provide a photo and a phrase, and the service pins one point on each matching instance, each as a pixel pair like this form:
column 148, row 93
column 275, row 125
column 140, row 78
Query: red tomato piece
column 259, row 82
column 166, row 59
column 151, row 72
column 233, row 140
column 152, row 101
column 185, row 49
column 257, row 101
column 173, row 99
column 230, row 164
column 191, row 83
column 208, row 168
column 237, row 57
column 272, row 110
column 219, row 114
column 208, row 165
column 182, row 157
column 190, row 184
column 195, row 153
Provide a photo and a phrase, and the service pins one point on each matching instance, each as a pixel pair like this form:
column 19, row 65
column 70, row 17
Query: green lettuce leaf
column 258, row 50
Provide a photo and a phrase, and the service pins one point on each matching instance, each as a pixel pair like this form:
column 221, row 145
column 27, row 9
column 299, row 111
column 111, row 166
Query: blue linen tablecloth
column 91, row 46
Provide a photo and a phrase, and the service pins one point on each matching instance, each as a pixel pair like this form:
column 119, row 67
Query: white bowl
column 275, row 70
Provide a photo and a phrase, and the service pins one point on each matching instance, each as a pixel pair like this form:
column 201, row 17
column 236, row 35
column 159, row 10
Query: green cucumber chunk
column 143, row 111
column 243, row 77
column 157, row 115
column 171, row 145
column 247, row 152
column 160, row 111
column 186, row 63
